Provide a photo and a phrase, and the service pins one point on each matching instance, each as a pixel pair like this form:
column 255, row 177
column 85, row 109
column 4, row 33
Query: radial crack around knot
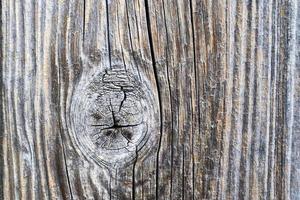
column 112, row 116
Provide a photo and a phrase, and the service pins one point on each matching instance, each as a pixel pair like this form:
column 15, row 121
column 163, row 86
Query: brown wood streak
column 225, row 79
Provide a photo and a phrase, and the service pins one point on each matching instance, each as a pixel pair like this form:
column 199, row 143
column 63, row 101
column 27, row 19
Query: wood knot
column 112, row 116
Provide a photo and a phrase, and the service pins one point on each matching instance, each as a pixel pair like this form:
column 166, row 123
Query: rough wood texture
column 150, row 99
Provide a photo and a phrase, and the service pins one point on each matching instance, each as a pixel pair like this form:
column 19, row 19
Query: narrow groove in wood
column 83, row 22
column 196, row 83
column 158, row 93
column 108, row 32
column 1, row 102
column 133, row 176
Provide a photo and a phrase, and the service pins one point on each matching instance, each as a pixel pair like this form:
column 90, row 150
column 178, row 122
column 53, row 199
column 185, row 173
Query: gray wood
column 150, row 99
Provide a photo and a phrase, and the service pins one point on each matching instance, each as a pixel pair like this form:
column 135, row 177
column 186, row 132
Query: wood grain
column 218, row 81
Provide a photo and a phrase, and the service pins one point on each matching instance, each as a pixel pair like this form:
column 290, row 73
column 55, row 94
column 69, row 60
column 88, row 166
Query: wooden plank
column 150, row 99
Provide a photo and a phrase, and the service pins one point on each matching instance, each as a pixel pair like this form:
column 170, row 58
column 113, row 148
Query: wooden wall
column 211, row 90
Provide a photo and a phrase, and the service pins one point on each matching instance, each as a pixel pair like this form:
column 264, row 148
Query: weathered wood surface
column 201, row 99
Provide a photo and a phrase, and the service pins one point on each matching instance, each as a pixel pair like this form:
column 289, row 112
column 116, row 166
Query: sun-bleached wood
column 150, row 99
